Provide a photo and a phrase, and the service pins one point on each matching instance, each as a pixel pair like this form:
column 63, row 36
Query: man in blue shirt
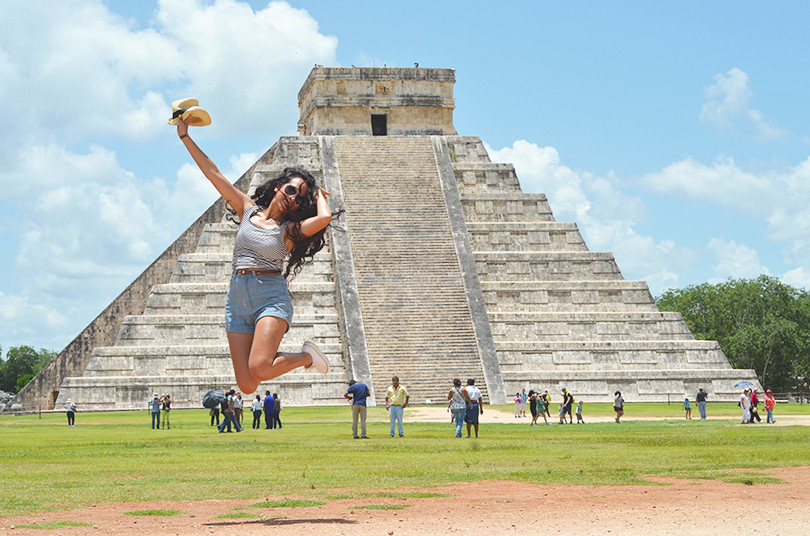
column 154, row 404
column 358, row 392
column 269, row 410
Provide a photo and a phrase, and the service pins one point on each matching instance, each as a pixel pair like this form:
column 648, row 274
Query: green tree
column 761, row 324
column 20, row 365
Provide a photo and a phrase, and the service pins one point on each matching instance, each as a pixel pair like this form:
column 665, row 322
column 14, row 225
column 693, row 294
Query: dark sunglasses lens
column 290, row 189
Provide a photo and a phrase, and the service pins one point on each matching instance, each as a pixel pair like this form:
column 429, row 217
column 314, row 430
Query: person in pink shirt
column 770, row 402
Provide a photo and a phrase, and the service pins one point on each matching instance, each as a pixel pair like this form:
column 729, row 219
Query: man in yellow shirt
column 396, row 399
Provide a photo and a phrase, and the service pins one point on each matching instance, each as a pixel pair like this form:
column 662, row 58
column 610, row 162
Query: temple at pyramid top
column 366, row 101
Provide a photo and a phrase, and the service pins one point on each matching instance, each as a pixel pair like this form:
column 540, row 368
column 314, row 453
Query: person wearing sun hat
column 284, row 220
column 70, row 408
column 770, row 402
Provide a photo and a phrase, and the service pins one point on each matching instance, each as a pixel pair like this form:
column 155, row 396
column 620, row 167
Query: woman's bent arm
column 312, row 225
column 238, row 200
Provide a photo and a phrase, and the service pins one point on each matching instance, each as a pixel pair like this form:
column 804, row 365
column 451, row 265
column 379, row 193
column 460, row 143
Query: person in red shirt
column 770, row 402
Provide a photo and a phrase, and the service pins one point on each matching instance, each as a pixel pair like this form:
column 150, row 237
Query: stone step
column 590, row 326
column 548, row 296
column 210, row 329
column 525, row 236
column 505, row 207
column 518, row 355
column 186, row 359
column 467, row 149
column 478, row 177
column 216, row 267
column 546, row 266
column 209, row 298
column 217, row 238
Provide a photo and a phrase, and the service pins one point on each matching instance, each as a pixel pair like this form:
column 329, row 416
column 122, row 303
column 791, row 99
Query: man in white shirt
column 475, row 406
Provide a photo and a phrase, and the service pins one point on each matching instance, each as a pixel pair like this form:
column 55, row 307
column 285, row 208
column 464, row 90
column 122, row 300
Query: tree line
column 20, row 365
column 761, row 324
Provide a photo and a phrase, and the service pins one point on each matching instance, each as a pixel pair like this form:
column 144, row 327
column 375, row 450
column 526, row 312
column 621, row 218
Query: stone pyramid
column 441, row 267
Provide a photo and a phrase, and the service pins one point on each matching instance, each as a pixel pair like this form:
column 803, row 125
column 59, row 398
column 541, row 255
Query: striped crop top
column 257, row 247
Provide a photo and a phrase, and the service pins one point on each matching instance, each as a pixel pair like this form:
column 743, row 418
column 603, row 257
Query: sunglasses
column 289, row 189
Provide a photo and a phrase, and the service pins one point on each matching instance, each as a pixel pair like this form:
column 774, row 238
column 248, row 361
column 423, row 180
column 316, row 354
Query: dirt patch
column 696, row 508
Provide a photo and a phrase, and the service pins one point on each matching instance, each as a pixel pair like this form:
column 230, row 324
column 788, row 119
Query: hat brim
column 194, row 116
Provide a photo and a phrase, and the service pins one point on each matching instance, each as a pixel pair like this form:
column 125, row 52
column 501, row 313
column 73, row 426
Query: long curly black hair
column 305, row 247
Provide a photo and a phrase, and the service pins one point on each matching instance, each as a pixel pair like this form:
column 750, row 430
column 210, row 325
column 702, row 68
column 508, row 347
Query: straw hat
column 191, row 113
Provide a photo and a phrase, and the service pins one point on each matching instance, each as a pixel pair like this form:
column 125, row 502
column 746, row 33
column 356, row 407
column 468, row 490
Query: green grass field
column 116, row 456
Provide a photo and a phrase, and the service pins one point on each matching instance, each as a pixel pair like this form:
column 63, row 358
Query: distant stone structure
column 441, row 267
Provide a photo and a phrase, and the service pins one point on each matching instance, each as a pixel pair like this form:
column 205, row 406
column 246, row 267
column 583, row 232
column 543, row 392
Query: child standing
column 579, row 413
column 687, row 408
column 770, row 402
column 562, row 412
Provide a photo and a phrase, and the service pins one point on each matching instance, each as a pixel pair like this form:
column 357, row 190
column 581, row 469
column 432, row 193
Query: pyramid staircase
column 412, row 298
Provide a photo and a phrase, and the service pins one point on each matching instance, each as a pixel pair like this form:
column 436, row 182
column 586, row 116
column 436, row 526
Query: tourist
column 227, row 414
column 618, row 406
column 537, row 407
column 770, row 402
column 546, row 399
column 237, row 407
column 568, row 403
column 561, row 412
column 523, row 399
column 277, row 411
column 357, row 393
column 286, row 219
column 532, row 400
column 214, row 413
column 701, row 400
column 458, row 398
column 269, row 410
column 517, row 404
column 154, row 406
column 687, row 408
column 754, row 407
column 745, row 405
column 396, row 400
column 165, row 408
column 256, row 408
column 579, row 413
column 475, row 407
column 70, row 409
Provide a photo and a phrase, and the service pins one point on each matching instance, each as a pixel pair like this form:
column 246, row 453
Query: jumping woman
column 287, row 217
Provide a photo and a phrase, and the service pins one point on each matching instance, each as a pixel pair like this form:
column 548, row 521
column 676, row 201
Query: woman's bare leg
column 265, row 361
column 240, row 345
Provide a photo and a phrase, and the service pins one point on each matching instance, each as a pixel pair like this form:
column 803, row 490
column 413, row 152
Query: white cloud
column 798, row 277
column 606, row 216
column 727, row 107
column 735, row 260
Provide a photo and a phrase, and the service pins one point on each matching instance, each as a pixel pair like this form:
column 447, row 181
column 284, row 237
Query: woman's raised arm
column 312, row 225
column 238, row 200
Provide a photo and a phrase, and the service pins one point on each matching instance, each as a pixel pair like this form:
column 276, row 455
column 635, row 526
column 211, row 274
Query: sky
column 676, row 135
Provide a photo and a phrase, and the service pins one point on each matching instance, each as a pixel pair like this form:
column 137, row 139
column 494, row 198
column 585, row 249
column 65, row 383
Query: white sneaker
column 319, row 361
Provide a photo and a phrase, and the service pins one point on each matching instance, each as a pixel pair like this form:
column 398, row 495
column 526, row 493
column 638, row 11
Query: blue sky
column 675, row 135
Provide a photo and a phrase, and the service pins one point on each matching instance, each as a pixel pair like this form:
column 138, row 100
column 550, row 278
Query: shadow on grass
column 278, row 522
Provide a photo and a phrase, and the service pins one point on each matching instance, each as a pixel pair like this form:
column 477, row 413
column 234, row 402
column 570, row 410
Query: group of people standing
column 160, row 407
column 232, row 410
column 539, row 406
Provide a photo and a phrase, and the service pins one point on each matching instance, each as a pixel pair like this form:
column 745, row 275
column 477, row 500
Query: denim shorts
column 251, row 297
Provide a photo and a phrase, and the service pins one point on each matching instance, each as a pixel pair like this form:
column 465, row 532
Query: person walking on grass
column 579, row 413
column 357, row 393
column 523, row 399
column 475, row 407
column 154, row 406
column 70, row 409
column 568, row 403
column 256, row 408
column 618, row 406
column 770, row 402
column 214, row 413
column 269, row 410
column 285, row 220
column 701, row 400
column 396, row 400
column 745, row 405
column 754, row 407
column 546, row 399
column 687, row 408
column 517, row 404
column 459, row 398
column 237, row 407
column 228, row 415
column 165, row 409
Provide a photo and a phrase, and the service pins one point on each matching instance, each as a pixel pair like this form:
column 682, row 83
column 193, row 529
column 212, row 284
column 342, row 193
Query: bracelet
column 184, row 136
